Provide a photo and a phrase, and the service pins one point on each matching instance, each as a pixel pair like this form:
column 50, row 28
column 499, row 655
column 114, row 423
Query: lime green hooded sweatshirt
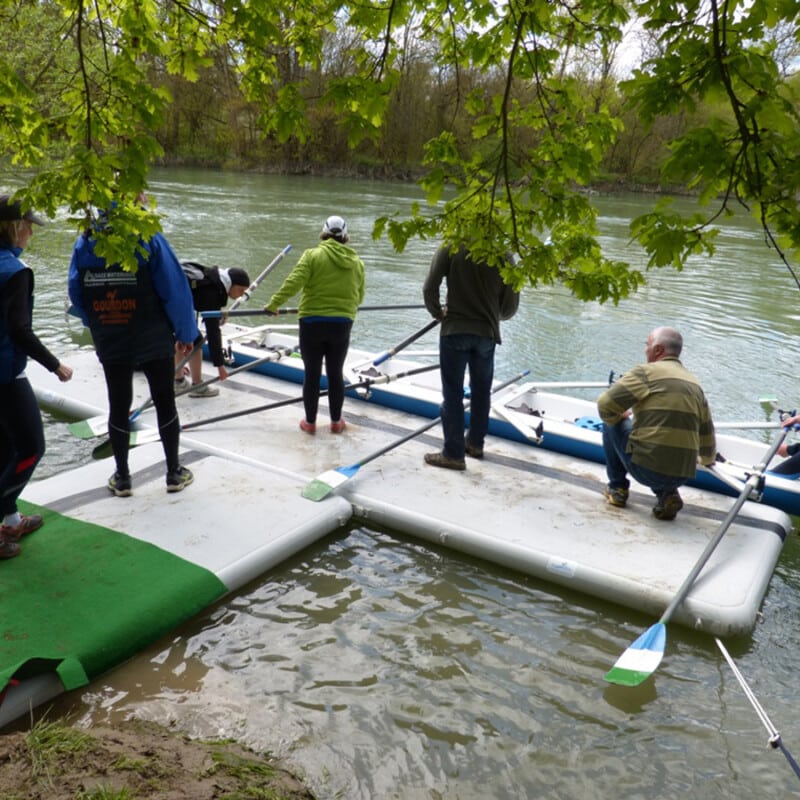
column 331, row 278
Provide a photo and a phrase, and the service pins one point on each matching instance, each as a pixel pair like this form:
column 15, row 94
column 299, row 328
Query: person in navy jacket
column 21, row 431
column 135, row 319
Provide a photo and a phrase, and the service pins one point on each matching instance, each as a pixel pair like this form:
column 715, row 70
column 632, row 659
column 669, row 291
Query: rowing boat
column 527, row 413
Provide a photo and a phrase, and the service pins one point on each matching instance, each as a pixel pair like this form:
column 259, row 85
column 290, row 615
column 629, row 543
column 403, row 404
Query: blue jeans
column 619, row 463
column 457, row 352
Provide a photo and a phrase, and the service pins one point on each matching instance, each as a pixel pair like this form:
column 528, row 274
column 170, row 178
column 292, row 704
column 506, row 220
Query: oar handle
column 254, row 285
column 749, row 485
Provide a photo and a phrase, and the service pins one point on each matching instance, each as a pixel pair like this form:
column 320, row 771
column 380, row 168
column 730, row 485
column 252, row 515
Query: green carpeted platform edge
column 81, row 599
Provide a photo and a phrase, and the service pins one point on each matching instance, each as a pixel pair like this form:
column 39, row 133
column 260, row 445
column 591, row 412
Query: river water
column 381, row 667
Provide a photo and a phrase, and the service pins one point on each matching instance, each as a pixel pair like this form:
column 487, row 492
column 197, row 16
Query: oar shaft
column 429, row 425
column 260, row 312
column 367, row 382
column 749, row 485
column 254, row 285
column 274, row 355
column 393, row 351
column 198, row 342
column 746, row 426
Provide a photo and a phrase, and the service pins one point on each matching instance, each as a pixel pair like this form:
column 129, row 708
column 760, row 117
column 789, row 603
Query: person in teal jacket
column 331, row 279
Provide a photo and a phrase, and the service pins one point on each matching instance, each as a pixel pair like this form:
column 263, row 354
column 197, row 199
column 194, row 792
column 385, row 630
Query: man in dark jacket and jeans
column 211, row 287
column 477, row 300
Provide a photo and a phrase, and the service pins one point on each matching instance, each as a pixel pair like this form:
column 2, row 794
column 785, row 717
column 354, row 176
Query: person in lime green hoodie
column 331, row 279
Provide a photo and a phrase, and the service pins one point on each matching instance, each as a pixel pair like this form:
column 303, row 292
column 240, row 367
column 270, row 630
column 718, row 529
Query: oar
column 642, row 658
column 98, row 426
column 392, row 351
column 260, row 312
column 746, row 426
column 367, row 382
column 323, row 485
column 254, row 285
column 147, row 435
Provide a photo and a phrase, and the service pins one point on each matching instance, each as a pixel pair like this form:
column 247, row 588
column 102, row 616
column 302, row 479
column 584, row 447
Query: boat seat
column 592, row 423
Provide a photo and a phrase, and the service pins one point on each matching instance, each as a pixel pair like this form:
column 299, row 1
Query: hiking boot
column 13, row 533
column 178, row 480
column 616, row 496
column 309, row 427
column 668, row 505
column 120, row 486
column 472, row 450
column 204, row 391
column 441, row 460
column 338, row 427
column 8, row 549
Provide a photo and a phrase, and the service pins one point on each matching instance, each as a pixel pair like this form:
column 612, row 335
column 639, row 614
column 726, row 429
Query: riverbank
column 136, row 759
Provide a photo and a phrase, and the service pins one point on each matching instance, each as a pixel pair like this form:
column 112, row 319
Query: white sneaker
column 204, row 391
column 181, row 384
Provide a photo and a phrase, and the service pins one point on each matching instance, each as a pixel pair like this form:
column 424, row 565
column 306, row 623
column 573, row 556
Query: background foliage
column 507, row 113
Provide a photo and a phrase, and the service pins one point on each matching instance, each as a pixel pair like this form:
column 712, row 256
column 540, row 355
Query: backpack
column 194, row 272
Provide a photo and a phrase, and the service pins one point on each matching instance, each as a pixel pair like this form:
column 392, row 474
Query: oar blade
column 641, row 659
column 136, row 438
column 324, row 484
column 89, row 428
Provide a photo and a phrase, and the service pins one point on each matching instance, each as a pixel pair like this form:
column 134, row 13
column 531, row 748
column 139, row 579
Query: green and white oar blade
column 89, row 428
column 324, row 484
column 641, row 659
column 143, row 436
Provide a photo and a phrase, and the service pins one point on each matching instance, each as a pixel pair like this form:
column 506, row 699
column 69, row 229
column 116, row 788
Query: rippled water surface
column 384, row 668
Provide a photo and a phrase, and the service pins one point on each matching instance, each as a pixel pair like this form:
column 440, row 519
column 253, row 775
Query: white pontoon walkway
column 522, row 507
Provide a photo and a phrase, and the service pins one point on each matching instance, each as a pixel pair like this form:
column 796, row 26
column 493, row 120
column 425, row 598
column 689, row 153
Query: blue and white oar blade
column 323, row 485
column 641, row 659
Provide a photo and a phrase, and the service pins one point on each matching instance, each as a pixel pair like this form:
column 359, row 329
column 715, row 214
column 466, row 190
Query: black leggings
column 789, row 467
column 328, row 340
column 160, row 376
column 21, row 441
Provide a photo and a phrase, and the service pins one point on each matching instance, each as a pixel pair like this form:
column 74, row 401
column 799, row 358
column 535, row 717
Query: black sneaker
column 178, row 480
column 120, row 486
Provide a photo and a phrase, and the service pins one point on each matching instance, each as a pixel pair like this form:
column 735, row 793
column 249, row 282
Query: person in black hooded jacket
column 211, row 288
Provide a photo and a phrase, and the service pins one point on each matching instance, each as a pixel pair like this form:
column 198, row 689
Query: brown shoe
column 8, row 549
column 441, row 460
column 616, row 496
column 473, row 451
column 667, row 506
column 28, row 525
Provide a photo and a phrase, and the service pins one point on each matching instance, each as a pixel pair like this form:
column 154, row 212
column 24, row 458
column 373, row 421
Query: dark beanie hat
column 10, row 212
column 238, row 277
